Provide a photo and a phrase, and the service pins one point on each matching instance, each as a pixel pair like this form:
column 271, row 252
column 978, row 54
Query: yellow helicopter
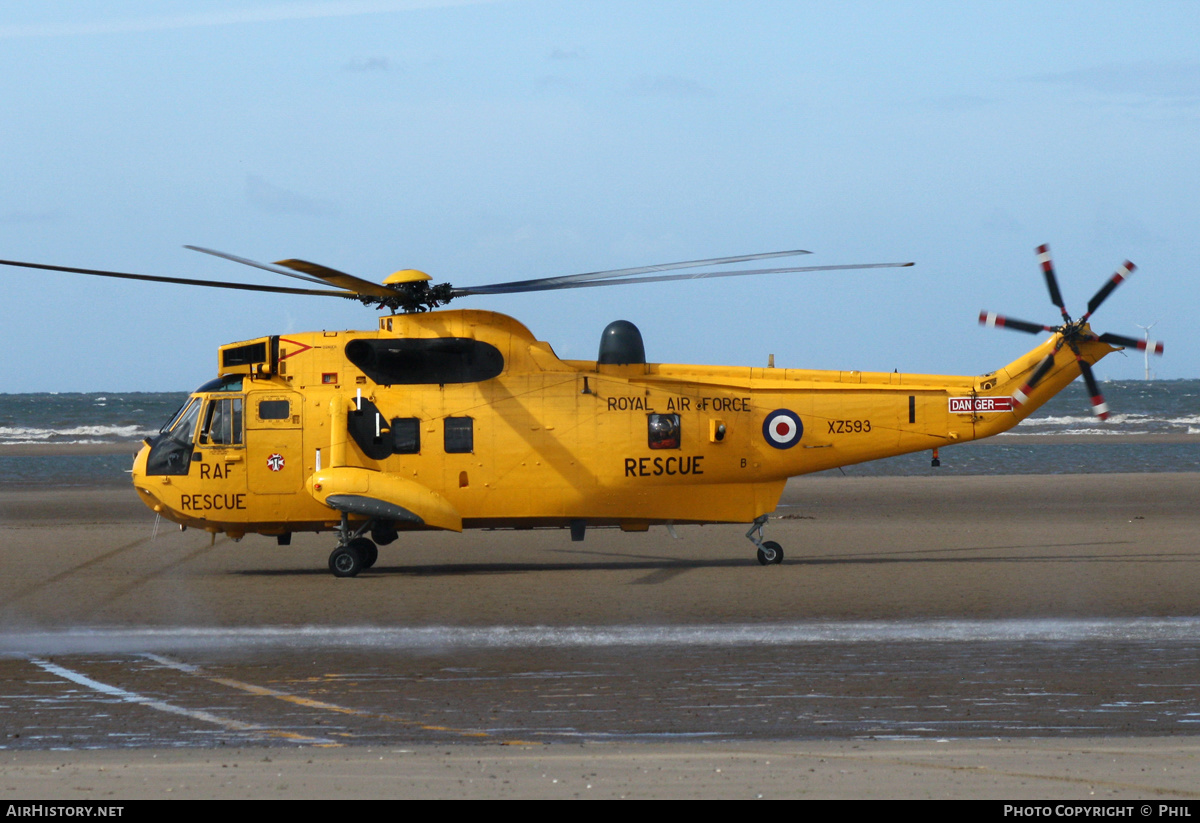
column 458, row 419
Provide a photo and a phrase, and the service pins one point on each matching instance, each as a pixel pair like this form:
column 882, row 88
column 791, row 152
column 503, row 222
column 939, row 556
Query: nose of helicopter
column 139, row 478
column 139, row 463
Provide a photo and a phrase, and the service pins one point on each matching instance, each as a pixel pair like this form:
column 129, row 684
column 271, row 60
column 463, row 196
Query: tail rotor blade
column 992, row 320
column 1022, row 394
column 1043, row 252
column 1099, row 407
column 1072, row 334
column 1120, row 276
column 1152, row 346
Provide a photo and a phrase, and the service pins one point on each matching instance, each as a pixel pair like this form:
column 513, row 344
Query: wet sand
column 1088, row 771
column 875, row 549
column 856, row 548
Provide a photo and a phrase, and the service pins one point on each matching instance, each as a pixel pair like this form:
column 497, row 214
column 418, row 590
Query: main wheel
column 367, row 550
column 346, row 561
column 770, row 552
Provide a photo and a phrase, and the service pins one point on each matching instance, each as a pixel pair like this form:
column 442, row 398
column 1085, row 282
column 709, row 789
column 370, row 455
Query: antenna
column 1146, row 331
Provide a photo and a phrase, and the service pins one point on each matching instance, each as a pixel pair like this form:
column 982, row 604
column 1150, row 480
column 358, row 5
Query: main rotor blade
column 1152, row 346
column 615, row 273
column 991, row 320
column 1043, row 252
column 338, row 278
column 217, row 284
column 1120, row 276
column 313, row 273
column 245, row 261
column 542, row 285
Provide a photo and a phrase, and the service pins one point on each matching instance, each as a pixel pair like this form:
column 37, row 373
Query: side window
column 460, row 435
column 663, row 431
column 274, row 410
column 406, row 435
column 222, row 423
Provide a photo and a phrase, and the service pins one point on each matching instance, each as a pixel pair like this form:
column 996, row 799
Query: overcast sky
column 483, row 142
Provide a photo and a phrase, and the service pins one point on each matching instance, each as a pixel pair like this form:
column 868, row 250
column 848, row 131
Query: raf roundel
column 782, row 428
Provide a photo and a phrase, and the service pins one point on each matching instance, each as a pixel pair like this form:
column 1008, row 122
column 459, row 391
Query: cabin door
column 275, row 442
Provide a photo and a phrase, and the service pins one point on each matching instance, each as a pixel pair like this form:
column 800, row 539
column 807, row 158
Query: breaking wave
column 73, row 434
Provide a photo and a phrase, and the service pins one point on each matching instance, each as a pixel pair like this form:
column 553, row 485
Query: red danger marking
column 970, row 405
column 284, row 355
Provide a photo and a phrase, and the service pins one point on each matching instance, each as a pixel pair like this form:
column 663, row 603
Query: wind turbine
column 1146, row 351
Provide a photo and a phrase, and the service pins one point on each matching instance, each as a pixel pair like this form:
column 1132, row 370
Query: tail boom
column 1038, row 375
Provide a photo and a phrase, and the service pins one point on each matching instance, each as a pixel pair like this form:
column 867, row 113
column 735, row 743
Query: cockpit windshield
column 230, row 382
column 189, row 408
column 171, row 451
column 183, row 424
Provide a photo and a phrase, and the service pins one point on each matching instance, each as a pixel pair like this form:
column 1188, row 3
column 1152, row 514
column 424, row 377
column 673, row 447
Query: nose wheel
column 769, row 552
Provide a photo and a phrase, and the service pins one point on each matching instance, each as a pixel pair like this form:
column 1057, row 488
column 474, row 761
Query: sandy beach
column 865, row 549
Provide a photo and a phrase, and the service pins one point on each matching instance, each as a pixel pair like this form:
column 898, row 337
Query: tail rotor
column 1071, row 332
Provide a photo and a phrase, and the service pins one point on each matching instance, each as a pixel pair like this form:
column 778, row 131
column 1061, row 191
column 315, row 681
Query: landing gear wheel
column 770, row 552
column 367, row 550
column 346, row 561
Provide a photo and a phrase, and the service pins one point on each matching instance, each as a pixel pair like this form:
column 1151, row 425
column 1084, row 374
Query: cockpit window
column 190, row 406
column 184, row 423
column 222, row 422
column 171, row 451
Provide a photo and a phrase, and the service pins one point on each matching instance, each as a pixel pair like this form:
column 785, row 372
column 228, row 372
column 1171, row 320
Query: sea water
column 78, row 419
